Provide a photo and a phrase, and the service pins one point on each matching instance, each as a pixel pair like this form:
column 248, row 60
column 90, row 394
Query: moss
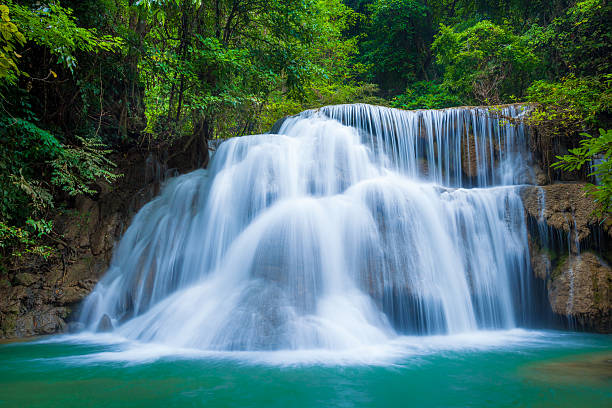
column 5, row 283
column 548, row 252
column 89, row 260
column 596, row 293
column 8, row 322
column 25, row 279
column 607, row 255
column 559, row 266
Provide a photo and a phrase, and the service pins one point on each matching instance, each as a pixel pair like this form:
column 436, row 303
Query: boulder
column 105, row 324
column 581, row 287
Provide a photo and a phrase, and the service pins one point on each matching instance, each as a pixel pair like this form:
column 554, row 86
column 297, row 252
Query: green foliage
column 77, row 167
column 19, row 241
column 595, row 152
column 571, row 105
column 54, row 28
column 34, row 167
column 516, row 12
column 10, row 39
column 485, row 63
column 425, row 95
column 205, row 79
column 578, row 41
column 395, row 49
column 36, row 164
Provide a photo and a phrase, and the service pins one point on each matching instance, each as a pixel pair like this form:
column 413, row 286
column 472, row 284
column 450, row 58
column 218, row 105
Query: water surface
column 514, row 368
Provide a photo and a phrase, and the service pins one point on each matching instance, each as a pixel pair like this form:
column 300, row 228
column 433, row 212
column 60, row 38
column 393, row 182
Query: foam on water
column 403, row 350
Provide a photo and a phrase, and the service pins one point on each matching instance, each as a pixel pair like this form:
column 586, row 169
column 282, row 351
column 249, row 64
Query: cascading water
column 351, row 226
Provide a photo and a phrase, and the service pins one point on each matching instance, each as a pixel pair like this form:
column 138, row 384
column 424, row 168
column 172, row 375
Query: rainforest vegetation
column 81, row 81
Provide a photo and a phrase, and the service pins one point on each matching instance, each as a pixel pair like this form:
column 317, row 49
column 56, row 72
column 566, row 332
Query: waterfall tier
column 351, row 226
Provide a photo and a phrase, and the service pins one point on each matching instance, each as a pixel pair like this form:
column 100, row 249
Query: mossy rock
column 559, row 267
column 26, row 279
column 5, row 283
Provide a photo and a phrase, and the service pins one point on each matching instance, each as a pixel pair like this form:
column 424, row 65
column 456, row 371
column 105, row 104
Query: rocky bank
column 40, row 296
column 572, row 251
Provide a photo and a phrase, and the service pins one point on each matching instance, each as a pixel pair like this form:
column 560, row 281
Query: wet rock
column 49, row 320
column 75, row 327
column 581, row 287
column 40, row 321
column 567, row 245
column 541, row 265
column 469, row 164
column 72, row 294
column 564, row 207
column 105, row 324
column 104, row 238
column 539, row 177
column 5, row 283
column 24, row 326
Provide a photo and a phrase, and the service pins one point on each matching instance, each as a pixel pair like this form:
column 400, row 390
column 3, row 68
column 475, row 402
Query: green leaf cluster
column 426, row 95
column 572, row 104
column 38, row 164
column 53, row 27
column 596, row 153
column 485, row 63
column 10, row 39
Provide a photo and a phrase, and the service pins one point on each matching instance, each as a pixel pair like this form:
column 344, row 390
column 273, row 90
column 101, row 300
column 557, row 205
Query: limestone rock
column 75, row 293
column 578, row 278
column 539, row 177
column 104, row 238
column 581, row 287
column 469, row 164
column 43, row 320
column 564, row 207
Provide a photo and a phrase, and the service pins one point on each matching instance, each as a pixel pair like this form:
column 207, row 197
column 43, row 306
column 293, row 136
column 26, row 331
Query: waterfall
column 352, row 225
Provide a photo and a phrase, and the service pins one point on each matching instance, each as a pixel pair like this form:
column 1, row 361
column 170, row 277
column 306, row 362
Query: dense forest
column 81, row 81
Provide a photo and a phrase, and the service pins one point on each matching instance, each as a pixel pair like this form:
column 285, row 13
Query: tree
column 578, row 41
column 396, row 46
column 10, row 39
column 485, row 63
column 37, row 164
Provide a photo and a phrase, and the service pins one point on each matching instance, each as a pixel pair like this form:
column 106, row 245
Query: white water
column 116, row 349
column 341, row 232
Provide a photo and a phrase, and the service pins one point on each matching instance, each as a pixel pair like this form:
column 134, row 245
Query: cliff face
column 570, row 250
column 41, row 294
